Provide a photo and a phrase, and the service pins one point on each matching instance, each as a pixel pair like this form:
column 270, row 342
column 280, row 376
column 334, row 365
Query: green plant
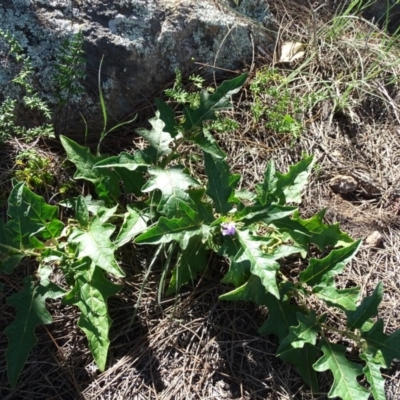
column 274, row 103
column 258, row 232
column 35, row 170
column 179, row 94
column 70, row 69
column 70, row 72
column 9, row 126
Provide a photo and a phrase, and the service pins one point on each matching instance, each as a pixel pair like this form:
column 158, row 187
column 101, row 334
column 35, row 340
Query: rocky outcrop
column 142, row 41
column 384, row 12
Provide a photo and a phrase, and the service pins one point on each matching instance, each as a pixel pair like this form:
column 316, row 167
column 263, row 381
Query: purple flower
column 228, row 228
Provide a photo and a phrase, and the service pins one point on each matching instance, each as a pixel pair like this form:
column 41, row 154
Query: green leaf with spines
column 130, row 168
column 253, row 290
column 240, row 266
column 206, row 142
column 286, row 188
column 320, row 271
column 210, row 103
column 282, row 316
column 192, row 261
column 90, row 294
column 372, row 371
column 221, row 184
column 106, row 181
column 323, row 235
column 83, row 159
column 389, row 345
column 133, row 181
column 305, row 332
column 174, row 229
column 104, row 214
column 262, row 213
column 31, row 216
column 31, row 311
column 131, row 162
column 94, row 242
column 174, row 184
column 134, row 224
column 244, row 194
column 10, row 261
column 303, row 359
column 81, row 211
column 159, row 139
column 344, row 299
column 344, row 372
column 367, row 309
column 298, row 347
column 167, row 116
column 263, row 264
column 312, row 231
column 10, row 254
column 266, row 190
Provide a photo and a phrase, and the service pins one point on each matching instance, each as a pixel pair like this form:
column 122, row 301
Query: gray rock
column 142, row 41
column 383, row 12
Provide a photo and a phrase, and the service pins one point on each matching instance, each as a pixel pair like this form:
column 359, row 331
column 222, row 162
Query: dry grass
column 197, row 347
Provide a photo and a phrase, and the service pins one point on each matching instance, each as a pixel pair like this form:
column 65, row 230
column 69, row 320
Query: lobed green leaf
column 106, row 180
column 344, row 372
column 285, row 188
column 158, row 138
column 95, row 243
column 221, row 185
column 240, row 266
column 372, row 371
column 298, row 347
column 31, row 216
column 282, row 316
column 320, row 271
column 30, row 304
column 262, row 265
column 253, row 290
column 174, row 184
column 305, row 332
column 206, row 142
column 10, row 252
column 210, row 103
column 174, row 229
column 389, row 345
column 167, row 116
column 344, row 299
column 131, row 162
column 367, row 309
column 303, row 359
column 134, row 224
column 266, row 191
column 192, row 260
column 90, row 294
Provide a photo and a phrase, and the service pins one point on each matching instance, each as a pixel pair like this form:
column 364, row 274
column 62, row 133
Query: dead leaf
column 291, row 51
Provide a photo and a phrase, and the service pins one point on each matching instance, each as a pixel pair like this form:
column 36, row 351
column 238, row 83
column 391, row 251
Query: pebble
column 343, row 184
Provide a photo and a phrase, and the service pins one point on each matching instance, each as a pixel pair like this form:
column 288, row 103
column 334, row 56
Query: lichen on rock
column 142, row 41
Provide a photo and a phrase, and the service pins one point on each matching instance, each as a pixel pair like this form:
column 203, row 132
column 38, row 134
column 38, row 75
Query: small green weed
column 180, row 95
column 35, row 170
column 274, row 103
column 70, row 68
column 223, row 124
